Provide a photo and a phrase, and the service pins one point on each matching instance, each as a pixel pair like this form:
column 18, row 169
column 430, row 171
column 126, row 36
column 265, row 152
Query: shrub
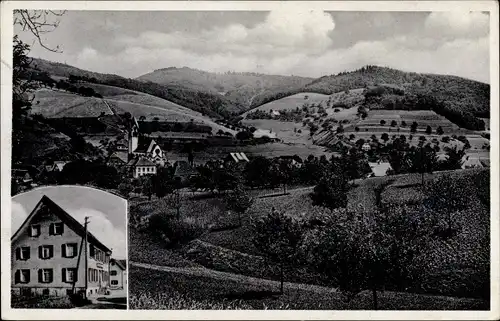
column 175, row 231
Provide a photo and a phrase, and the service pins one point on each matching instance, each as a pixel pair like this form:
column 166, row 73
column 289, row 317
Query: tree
column 382, row 122
column 244, row 135
column 413, row 127
column 423, row 160
column 340, row 129
column 403, row 124
column 278, row 236
column 428, row 130
column 38, row 23
column 356, row 128
column 239, row 201
column 440, row 130
column 394, row 123
column 331, row 190
column 385, row 137
column 454, row 159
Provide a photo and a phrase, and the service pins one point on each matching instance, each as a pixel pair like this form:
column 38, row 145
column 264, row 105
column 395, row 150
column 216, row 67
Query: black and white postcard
column 296, row 160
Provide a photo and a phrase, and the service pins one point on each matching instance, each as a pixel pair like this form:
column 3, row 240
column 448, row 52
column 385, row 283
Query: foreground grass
column 158, row 290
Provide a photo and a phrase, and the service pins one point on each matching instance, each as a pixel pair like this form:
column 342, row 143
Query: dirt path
column 226, row 276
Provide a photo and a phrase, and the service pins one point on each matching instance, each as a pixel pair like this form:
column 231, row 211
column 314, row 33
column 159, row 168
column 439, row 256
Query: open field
column 292, row 102
column 55, row 104
column 424, row 118
column 161, row 290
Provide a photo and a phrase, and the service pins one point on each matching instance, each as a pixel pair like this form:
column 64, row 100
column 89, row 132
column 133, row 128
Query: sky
column 107, row 212
column 289, row 41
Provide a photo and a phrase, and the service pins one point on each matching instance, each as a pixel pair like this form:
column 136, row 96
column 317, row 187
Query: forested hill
column 213, row 105
column 242, row 88
column 458, row 93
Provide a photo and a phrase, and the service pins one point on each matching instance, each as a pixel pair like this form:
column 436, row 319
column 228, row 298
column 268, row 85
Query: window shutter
column 28, row 276
column 51, row 276
column 62, row 228
column 40, row 272
column 51, row 251
column 40, row 252
column 64, row 275
column 51, row 229
column 29, row 254
column 18, row 253
column 17, row 277
column 63, row 250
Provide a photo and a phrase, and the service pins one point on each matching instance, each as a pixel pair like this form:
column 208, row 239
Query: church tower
column 133, row 136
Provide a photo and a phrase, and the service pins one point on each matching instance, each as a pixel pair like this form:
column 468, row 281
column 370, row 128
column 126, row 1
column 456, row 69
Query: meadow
column 452, row 268
column 56, row 104
column 175, row 291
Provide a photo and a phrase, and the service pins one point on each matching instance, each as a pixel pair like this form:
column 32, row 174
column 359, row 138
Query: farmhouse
column 118, row 274
column 366, row 147
column 141, row 166
column 471, row 162
column 237, row 158
column 47, row 256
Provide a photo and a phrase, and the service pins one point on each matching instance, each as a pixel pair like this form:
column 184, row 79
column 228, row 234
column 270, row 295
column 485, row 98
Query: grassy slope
column 56, row 103
column 243, row 88
column 449, row 268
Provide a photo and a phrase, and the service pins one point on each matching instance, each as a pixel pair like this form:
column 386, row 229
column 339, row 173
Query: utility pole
column 86, row 257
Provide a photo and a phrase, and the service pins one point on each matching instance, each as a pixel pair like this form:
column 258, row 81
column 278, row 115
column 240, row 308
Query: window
column 35, row 230
column 45, row 251
column 45, row 292
column 69, row 291
column 23, row 253
column 45, row 275
column 114, row 282
column 56, row 229
column 22, row 276
column 114, row 272
column 92, row 250
column 69, row 250
column 69, row 275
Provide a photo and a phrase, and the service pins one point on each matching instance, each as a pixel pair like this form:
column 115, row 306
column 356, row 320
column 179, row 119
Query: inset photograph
column 69, row 249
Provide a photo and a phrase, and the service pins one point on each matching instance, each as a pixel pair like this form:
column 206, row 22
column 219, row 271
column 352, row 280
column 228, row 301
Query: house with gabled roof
column 141, row 166
column 238, row 157
column 118, row 274
column 53, row 254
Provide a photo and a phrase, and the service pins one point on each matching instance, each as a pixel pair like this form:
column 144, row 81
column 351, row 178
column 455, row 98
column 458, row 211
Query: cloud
column 103, row 229
column 299, row 42
column 19, row 214
column 458, row 23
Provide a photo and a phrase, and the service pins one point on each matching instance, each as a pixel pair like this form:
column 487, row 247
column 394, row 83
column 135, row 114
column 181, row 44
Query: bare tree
column 38, row 23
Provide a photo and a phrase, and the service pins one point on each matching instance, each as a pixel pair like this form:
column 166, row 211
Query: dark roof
column 66, row 218
column 121, row 263
column 143, row 144
column 121, row 156
column 144, row 162
column 182, row 168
